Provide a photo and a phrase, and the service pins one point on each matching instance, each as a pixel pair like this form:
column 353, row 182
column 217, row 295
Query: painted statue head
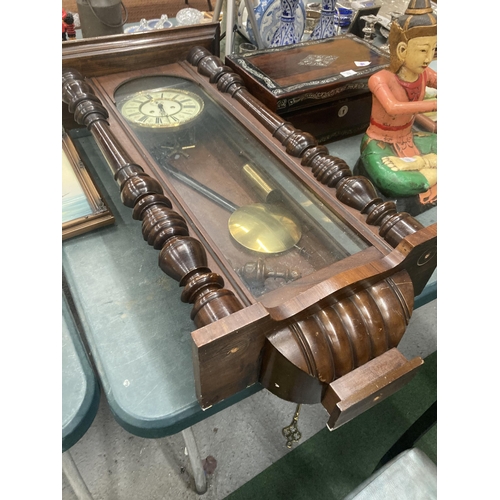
column 418, row 22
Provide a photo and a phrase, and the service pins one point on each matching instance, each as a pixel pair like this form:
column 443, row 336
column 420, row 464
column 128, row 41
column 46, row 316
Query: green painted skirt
column 390, row 182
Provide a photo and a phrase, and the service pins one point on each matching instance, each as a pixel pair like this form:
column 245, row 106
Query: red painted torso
column 394, row 106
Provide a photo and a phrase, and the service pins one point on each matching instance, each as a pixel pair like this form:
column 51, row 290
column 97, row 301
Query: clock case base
column 241, row 347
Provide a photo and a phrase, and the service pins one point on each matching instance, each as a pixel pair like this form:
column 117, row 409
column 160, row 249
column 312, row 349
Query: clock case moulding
column 332, row 337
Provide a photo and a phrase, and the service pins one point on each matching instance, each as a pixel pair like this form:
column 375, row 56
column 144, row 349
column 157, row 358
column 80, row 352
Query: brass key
column 292, row 433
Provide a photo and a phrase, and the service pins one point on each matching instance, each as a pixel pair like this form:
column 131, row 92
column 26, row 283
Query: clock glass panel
column 268, row 225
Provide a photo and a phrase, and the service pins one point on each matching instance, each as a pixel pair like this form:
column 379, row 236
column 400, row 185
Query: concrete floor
column 244, row 440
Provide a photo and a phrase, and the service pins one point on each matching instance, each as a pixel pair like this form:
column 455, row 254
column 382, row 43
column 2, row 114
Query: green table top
column 137, row 328
column 80, row 390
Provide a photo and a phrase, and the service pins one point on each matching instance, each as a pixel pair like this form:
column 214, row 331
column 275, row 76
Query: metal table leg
column 194, row 457
column 217, row 10
column 229, row 16
column 75, row 479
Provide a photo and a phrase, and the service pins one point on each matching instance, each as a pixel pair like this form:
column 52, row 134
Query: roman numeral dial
column 161, row 108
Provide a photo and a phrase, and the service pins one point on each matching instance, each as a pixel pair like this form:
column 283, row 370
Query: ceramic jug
column 286, row 34
column 326, row 27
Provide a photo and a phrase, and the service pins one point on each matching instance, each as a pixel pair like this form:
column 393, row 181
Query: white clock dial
column 162, row 108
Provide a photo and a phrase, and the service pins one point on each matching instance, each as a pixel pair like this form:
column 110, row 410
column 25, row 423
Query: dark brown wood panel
column 287, row 67
column 116, row 53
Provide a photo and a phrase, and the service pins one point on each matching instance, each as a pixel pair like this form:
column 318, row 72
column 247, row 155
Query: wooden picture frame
column 82, row 206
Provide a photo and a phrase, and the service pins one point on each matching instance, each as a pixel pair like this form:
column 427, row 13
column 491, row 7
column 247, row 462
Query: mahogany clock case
column 218, row 164
column 185, row 185
column 230, row 166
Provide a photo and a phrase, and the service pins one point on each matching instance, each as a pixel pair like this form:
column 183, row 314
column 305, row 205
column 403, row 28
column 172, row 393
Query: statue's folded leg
column 391, row 181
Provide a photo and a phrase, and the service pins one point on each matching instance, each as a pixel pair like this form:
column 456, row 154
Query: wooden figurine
column 399, row 160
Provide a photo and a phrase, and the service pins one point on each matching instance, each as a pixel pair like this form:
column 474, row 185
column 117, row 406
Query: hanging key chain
column 292, row 433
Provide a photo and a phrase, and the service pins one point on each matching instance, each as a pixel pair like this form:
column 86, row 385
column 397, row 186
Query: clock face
column 161, row 108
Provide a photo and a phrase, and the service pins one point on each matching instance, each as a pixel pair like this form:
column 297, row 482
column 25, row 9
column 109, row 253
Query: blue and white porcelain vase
column 268, row 15
column 326, row 27
column 286, row 34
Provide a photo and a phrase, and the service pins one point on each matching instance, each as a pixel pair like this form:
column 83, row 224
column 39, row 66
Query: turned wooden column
column 355, row 191
column 182, row 257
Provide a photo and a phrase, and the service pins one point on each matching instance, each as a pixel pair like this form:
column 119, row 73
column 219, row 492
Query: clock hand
column 160, row 105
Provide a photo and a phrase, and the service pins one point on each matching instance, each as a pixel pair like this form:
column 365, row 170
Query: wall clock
column 315, row 318
column 163, row 108
column 161, row 111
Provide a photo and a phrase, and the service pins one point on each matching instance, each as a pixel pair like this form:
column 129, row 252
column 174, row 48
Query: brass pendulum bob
column 261, row 227
column 264, row 228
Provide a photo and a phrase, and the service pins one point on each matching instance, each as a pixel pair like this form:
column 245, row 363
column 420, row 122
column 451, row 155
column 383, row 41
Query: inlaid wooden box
column 320, row 86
